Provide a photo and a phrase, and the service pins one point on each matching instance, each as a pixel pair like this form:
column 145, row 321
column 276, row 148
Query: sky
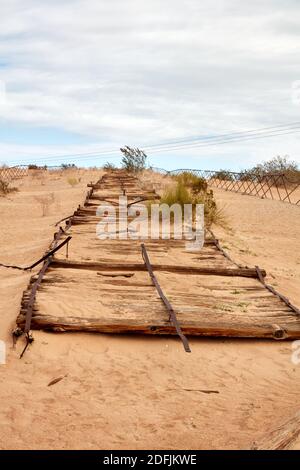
column 89, row 76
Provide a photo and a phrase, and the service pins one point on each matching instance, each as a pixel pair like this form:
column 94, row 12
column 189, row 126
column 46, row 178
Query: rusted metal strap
column 218, row 246
column 36, row 263
column 33, row 294
column 146, row 198
column 11, row 266
column 275, row 292
column 47, row 258
column 89, row 194
column 62, row 220
column 169, row 307
column 29, row 312
column 50, row 253
column 30, row 304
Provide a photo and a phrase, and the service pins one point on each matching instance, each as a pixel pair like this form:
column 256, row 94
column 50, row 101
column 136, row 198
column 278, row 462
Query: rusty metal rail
column 169, row 307
column 218, row 246
column 275, row 292
column 47, row 259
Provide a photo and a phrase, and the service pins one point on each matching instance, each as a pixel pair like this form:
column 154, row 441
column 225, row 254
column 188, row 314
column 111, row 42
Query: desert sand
column 123, row 392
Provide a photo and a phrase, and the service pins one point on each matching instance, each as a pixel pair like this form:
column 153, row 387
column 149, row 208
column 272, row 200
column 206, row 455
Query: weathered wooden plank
column 118, row 325
column 216, row 271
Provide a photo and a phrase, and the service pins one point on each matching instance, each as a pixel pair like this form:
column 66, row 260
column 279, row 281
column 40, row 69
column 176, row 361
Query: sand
column 123, row 392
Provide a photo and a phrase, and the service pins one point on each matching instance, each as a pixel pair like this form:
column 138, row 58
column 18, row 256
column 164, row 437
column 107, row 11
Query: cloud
column 134, row 72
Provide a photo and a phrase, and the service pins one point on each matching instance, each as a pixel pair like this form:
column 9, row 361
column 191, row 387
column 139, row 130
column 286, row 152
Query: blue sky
column 89, row 76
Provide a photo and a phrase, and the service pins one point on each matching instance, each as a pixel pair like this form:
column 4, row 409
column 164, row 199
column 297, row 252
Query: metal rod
column 61, row 220
column 169, row 307
column 50, row 253
column 275, row 292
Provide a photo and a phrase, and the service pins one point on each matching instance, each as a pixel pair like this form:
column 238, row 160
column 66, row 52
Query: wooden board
column 85, row 246
column 90, row 300
column 104, row 286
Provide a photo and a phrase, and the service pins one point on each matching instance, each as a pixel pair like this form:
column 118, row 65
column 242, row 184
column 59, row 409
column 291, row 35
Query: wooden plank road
column 104, row 285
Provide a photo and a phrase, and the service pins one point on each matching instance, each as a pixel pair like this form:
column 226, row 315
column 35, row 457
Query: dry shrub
column 45, row 201
column 181, row 194
column 275, row 167
column 38, row 174
column 190, row 180
column 5, row 188
column 153, row 180
column 109, row 166
column 224, row 175
column 72, row 181
column 134, row 159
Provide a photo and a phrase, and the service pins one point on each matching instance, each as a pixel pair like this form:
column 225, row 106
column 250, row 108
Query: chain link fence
column 268, row 186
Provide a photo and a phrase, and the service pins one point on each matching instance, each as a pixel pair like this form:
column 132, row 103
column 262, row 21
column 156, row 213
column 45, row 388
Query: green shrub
column 180, row 194
column 192, row 181
column 212, row 213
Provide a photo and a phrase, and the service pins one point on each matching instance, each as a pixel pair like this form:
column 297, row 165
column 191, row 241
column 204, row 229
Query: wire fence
column 13, row 173
column 268, row 186
column 9, row 174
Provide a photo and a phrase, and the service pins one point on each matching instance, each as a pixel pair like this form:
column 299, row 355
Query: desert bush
column 37, row 173
column 72, row 181
column 212, row 213
column 5, row 188
column 180, row 194
column 199, row 185
column 177, row 194
column 109, row 166
column 186, row 178
column 192, row 181
column 134, row 159
column 276, row 166
column 45, row 201
column 224, row 175
column 33, row 166
column 68, row 166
